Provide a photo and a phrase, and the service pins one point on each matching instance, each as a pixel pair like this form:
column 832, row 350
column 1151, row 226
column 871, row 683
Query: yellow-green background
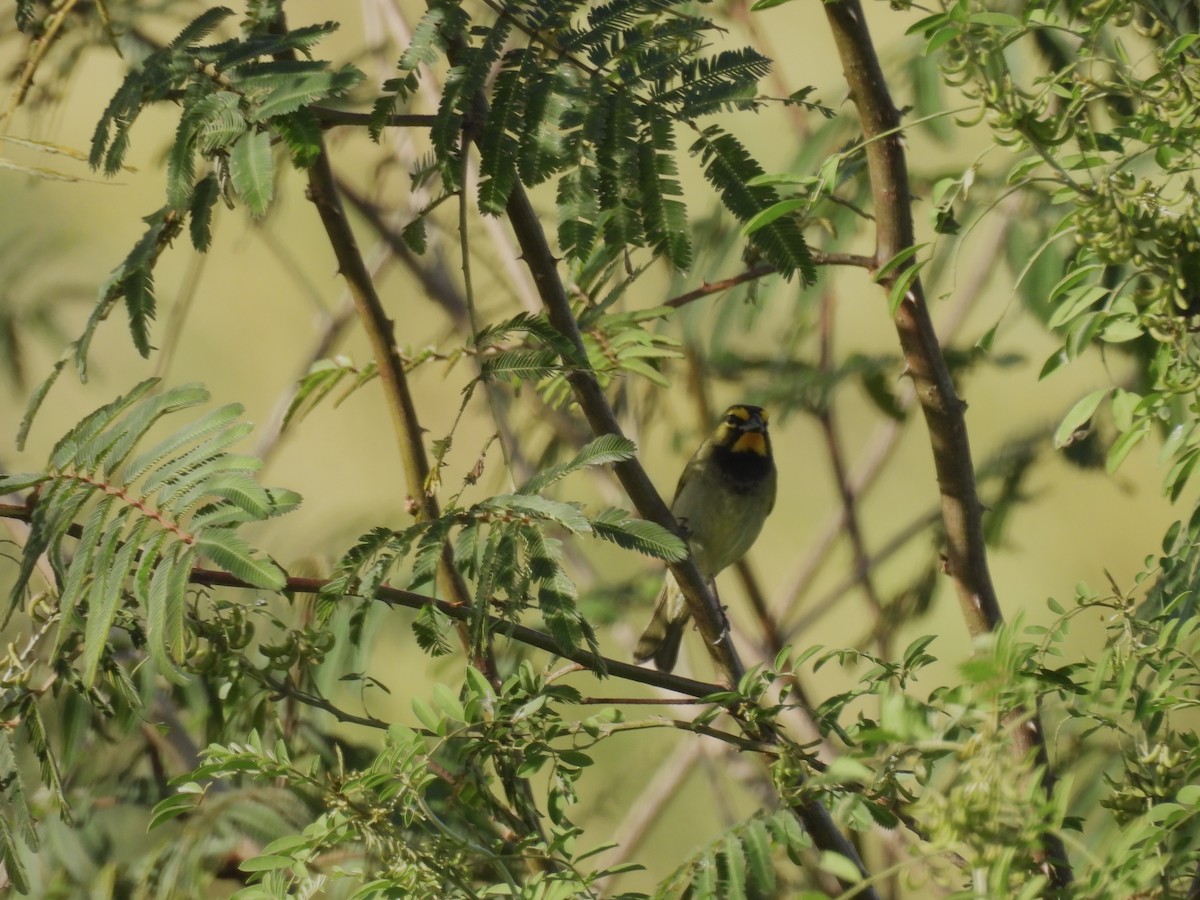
column 253, row 319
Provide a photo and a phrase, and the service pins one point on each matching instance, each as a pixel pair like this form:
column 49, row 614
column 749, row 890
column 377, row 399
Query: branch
column 435, row 280
column 966, row 554
column 461, row 613
column 709, row 617
column 322, row 190
column 837, row 460
column 331, row 118
column 762, row 270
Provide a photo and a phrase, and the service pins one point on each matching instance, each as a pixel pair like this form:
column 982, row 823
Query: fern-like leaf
column 200, row 210
column 200, row 27
column 578, row 212
column 616, row 525
column 664, row 217
column 133, row 279
column 251, row 169
column 728, row 167
column 519, row 365
column 283, row 86
column 498, row 145
column 608, row 448
column 541, row 140
column 739, row 863
column 142, row 528
column 14, row 817
column 712, row 84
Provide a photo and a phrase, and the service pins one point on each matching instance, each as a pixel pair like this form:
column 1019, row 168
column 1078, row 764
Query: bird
column 724, row 496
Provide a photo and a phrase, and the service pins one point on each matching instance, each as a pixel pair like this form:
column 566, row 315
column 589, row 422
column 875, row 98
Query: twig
column 322, row 190
column 331, row 118
column 837, row 461
column 521, row 633
column 764, row 269
column 435, row 280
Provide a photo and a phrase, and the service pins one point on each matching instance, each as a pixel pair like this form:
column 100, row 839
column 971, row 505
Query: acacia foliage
column 476, row 793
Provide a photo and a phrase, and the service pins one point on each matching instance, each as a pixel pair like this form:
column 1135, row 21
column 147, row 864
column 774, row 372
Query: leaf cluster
column 1114, row 150
column 595, row 99
column 148, row 518
column 503, row 544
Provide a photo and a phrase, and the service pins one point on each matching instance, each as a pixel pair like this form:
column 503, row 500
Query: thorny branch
column 966, row 555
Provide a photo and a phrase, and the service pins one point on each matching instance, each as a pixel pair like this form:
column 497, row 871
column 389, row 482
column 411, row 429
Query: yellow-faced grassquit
column 723, row 497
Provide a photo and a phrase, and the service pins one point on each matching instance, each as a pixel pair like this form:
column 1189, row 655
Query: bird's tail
column 662, row 637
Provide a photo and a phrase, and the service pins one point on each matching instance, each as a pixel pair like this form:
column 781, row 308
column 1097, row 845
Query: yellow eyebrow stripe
column 740, row 411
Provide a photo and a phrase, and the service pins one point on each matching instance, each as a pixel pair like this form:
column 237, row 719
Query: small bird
column 724, row 495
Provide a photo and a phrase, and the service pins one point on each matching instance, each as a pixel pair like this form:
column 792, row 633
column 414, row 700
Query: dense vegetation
column 158, row 661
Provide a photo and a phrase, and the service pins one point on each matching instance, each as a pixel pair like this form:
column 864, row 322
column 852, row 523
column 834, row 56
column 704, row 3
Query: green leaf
column 266, row 863
column 840, row 867
column 200, row 211
column 756, row 843
column 221, row 121
column 12, row 859
column 234, row 555
column 200, row 27
column 523, row 365
column 283, row 86
column 646, row 537
column 430, row 628
column 1080, row 413
column 172, row 807
column 301, row 133
column 608, row 448
column 567, row 515
column 733, row 884
column 251, row 169
column 729, row 167
column 885, row 272
column 10, row 484
column 773, row 212
column 499, row 146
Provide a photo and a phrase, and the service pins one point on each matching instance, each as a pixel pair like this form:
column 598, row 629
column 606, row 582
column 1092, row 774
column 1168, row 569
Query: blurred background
column 250, row 317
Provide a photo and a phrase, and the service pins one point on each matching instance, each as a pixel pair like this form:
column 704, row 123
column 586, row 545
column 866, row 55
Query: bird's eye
column 732, row 420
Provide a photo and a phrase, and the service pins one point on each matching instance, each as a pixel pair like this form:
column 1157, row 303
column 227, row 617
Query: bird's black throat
column 744, row 470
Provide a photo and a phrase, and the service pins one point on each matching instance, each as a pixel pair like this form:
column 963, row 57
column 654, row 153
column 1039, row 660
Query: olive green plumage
column 724, row 495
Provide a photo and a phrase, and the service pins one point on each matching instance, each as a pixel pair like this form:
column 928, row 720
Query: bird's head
column 743, row 429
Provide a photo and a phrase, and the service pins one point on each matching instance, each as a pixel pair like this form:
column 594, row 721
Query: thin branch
column 435, row 280
column 962, row 511
column 331, row 118
column 837, row 461
column 831, row 599
column 381, row 333
column 520, row 633
column 703, row 606
column 764, row 269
